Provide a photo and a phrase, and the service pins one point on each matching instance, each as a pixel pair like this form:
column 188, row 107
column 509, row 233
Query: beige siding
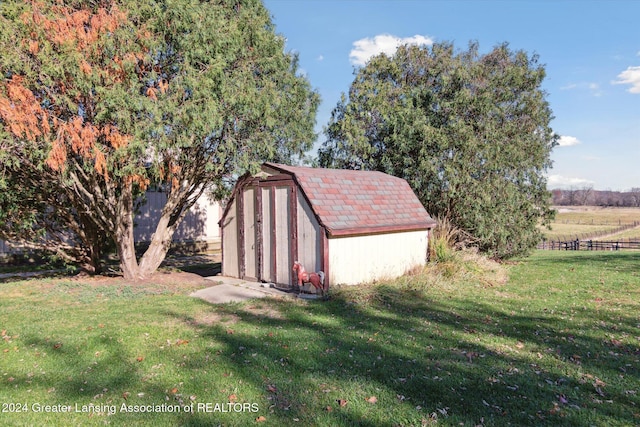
column 230, row 258
column 309, row 241
column 250, row 252
column 284, row 263
column 199, row 224
column 269, row 171
column 267, row 256
column 362, row 259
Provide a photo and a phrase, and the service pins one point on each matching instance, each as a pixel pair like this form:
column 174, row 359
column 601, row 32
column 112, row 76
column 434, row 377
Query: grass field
column 572, row 221
column 633, row 234
column 457, row 345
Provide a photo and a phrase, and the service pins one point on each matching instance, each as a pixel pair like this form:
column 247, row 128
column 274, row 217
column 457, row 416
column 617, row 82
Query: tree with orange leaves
column 100, row 99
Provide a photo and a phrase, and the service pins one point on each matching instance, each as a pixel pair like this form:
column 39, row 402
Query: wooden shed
column 355, row 226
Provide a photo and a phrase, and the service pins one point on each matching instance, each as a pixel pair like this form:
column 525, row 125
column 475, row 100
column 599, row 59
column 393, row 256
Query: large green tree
column 100, row 99
column 470, row 132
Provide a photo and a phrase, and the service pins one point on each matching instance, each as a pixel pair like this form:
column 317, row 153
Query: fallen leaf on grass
column 233, row 398
column 471, row 355
column 140, row 358
column 261, row 419
column 329, row 409
column 230, row 332
column 342, row 402
column 372, row 399
column 272, row 388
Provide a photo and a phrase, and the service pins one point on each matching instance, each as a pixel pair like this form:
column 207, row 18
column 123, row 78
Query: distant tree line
column 587, row 196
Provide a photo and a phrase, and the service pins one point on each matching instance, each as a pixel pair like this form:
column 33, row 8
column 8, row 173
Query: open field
column 632, row 234
column 556, row 344
column 583, row 221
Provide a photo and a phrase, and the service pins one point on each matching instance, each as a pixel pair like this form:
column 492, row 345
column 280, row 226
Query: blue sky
column 591, row 51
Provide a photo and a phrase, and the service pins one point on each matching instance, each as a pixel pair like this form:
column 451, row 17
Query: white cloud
column 568, row 141
column 557, row 181
column 320, row 58
column 593, row 87
column 382, row 43
column 630, row 76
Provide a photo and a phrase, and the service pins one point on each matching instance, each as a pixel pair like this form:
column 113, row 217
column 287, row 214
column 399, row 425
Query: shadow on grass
column 63, row 373
column 204, row 270
column 426, row 357
column 16, row 276
column 426, row 360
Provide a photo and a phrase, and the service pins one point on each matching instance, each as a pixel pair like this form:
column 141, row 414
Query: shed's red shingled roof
column 355, row 202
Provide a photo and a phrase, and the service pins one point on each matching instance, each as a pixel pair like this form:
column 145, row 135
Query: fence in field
column 595, row 234
column 587, row 241
column 590, row 245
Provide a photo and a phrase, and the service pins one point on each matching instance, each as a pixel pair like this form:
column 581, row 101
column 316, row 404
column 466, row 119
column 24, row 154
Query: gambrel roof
column 349, row 202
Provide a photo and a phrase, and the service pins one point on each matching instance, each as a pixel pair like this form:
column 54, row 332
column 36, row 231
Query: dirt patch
column 165, row 282
column 215, row 318
column 265, row 312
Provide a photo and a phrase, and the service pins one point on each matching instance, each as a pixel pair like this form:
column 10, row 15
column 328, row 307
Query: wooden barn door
column 268, row 231
column 250, row 237
column 278, row 236
column 283, row 236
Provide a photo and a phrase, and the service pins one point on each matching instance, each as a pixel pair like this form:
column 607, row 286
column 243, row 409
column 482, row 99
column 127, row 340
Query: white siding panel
column 362, row 259
column 230, row 258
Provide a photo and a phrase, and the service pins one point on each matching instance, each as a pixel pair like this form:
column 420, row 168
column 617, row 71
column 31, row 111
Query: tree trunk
column 160, row 243
column 172, row 214
column 124, row 236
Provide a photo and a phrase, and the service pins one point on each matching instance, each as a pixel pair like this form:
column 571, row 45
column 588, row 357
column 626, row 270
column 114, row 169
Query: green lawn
column 558, row 344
